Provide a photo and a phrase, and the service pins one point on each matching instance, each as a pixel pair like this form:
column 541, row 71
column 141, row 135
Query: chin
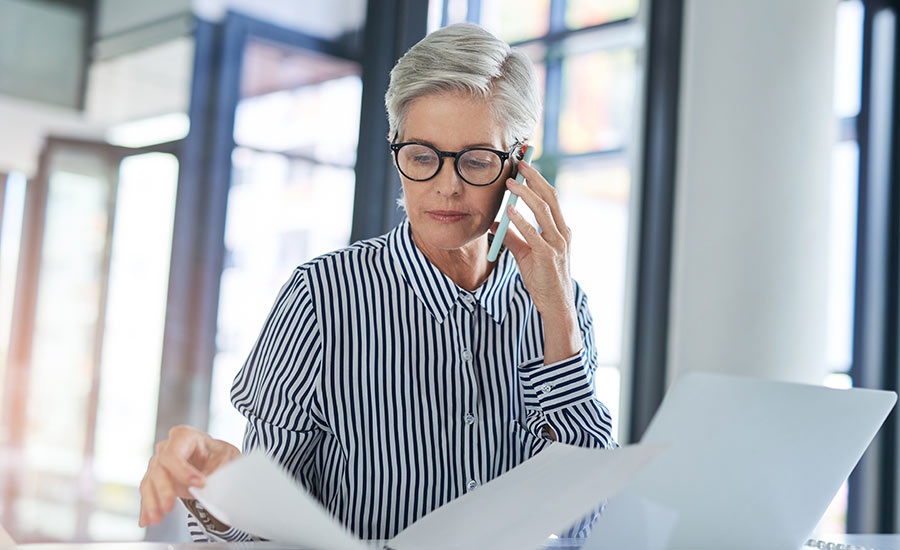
column 448, row 238
column 445, row 241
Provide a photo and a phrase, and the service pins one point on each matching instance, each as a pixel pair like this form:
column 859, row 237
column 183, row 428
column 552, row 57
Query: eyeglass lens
column 476, row 166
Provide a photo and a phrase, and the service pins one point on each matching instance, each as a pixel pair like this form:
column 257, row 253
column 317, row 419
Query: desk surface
column 859, row 542
column 557, row 544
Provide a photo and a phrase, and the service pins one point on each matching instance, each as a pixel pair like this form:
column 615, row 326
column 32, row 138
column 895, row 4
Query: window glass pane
column 10, row 238
column 70, row 286
column 132, row 339
column 537, row 141
column 435, row 9
column 314, row 121
column 65, row 341
column 516, row 20
column 594, row 197
column 585, row 13
column 607, row 388
column 281, row 213
column 291, row 194
column 597, row 101
column 32, row 517
column 842, row 255
column 104, row 526
column 848, row 58
column 457, row 10
column 300, row 102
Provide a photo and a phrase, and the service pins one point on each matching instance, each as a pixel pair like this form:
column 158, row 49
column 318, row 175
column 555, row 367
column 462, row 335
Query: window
column 82, row 434
column 588, row 55
column 291, row 194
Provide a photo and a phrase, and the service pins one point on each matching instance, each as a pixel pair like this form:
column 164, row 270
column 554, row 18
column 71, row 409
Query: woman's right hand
column 181, row 461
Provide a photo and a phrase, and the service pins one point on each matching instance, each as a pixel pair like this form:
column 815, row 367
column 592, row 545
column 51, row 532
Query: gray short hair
column 466, row 58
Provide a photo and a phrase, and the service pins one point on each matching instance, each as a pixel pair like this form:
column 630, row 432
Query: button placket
column 468, row 318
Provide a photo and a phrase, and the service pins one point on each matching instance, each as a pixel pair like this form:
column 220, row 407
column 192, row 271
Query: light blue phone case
column 504, row 220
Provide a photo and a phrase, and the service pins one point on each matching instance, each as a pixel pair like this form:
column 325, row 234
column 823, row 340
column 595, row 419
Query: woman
column 401, row 372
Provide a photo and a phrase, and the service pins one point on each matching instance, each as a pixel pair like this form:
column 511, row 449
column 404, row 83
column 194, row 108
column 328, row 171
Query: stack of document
column 517, row 510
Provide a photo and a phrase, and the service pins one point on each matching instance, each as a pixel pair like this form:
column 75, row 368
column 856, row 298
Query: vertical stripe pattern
column 387, row 390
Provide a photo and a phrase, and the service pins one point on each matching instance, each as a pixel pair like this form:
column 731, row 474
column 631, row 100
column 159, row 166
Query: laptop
column 752, row 463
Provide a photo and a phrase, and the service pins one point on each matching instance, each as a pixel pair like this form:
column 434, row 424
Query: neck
column 467, row 266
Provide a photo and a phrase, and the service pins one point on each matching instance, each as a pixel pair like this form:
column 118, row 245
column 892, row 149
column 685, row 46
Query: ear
column 392, row 140
column 520, row 150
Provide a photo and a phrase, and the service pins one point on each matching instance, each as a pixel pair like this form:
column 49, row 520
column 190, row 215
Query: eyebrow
column 466, row 146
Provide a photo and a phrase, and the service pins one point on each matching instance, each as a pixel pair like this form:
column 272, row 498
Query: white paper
column 255, row 495
column 633, row 522
column 517, row 510
column 523, row 507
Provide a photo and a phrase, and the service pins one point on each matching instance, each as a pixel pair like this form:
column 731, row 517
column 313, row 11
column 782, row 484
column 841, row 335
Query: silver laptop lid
column 754, row 463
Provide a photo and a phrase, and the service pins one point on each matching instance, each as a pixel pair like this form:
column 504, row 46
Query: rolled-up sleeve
column 276, row 391
column 560, row 395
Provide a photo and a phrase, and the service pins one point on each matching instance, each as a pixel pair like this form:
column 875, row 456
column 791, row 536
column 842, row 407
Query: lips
column 446, row 216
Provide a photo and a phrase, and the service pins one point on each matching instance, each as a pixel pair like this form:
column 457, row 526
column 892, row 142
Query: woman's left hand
column 543, row 257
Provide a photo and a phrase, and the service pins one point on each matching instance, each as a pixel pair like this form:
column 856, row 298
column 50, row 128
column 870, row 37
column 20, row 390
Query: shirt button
column 466, row 355
column 472, row 484
column 546, row 388
column 470, row 419
column 468, row 298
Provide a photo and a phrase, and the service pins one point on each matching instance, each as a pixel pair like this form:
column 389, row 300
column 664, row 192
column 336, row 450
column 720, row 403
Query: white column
column 750, row 251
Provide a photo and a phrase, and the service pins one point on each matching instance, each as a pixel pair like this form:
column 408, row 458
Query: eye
column 423, row 158
column 478, row 162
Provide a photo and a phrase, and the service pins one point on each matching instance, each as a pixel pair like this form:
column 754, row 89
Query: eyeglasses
column 476, row 165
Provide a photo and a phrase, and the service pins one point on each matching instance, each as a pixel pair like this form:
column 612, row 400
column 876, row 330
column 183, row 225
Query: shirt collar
column 437, row 291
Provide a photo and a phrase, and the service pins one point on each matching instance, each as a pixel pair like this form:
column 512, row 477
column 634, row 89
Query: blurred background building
column 727, row 168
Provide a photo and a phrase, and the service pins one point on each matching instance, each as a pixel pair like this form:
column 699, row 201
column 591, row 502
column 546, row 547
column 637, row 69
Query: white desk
column 878, row 542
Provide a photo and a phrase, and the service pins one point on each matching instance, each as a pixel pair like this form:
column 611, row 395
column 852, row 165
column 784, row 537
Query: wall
column 753, row 180
column 326, row 19
column 41, row 51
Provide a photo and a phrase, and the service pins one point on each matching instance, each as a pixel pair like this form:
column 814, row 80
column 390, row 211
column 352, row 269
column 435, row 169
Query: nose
column 447, row 182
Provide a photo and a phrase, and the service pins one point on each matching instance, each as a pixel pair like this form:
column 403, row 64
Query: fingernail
column 511, row 209
column 197, row 481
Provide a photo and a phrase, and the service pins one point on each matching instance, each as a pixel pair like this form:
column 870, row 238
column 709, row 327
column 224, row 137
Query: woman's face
column 446, row 212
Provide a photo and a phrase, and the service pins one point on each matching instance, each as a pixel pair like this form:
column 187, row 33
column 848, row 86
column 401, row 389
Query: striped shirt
column 387, row 390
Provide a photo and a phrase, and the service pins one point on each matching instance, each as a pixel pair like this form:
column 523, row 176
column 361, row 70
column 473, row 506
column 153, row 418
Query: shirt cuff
column 557, row 385
column 212, row 526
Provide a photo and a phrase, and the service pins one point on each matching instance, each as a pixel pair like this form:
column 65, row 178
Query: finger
column 152, row 515
column 220, row 454
column 532, row 237
column 174, row 458
column 148, row 495
column 147, row 500
column 536, row 181
column 166, row 494
column 513, row 242
column 541, row 211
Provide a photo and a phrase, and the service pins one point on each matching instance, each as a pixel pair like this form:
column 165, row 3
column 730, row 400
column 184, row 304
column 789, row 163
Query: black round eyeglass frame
column 395, row 147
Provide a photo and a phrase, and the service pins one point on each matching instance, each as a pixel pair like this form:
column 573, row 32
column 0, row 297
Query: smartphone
column 504, row 220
